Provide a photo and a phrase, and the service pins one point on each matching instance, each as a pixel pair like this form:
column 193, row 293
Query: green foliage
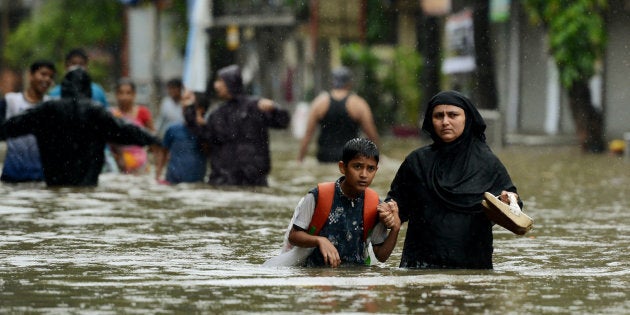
column 364, row 65
column 390, row 85
column 403, row 82
column 357, row 55
column 179, row 32
column 577, row 36
column 60, row 25
column 379, row 26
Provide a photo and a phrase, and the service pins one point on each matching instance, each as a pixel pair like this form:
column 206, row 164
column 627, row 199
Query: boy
column 22, row 162
column 347, row 230
column 184, row 157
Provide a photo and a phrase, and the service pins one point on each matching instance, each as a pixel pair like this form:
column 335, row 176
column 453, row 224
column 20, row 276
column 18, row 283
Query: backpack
column 325, row 195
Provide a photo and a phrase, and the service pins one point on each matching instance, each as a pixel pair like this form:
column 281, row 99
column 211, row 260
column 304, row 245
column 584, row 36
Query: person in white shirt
column 22, row 162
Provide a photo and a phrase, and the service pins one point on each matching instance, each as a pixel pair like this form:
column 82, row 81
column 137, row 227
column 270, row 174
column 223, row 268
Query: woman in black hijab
column 439, row 188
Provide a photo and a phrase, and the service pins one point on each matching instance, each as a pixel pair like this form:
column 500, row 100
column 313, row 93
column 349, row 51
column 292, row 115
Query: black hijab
column 465, row 168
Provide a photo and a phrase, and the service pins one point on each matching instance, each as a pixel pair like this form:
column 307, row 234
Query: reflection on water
column 132, row 246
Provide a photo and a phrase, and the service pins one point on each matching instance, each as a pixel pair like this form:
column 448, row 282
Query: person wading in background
column 340, row 114
column 72, row 132
column 237, row 132
column 22, row 162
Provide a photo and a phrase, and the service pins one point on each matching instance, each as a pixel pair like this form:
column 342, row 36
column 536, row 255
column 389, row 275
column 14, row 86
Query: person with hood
column 340, row 115
column 71, row 133
column 78, row 58
column 236, row 133
column 439, row 188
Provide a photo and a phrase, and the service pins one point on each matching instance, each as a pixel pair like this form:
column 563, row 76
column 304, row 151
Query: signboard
column 499, row 10
column 340, row 19
column 435, row 7
column 460, row 43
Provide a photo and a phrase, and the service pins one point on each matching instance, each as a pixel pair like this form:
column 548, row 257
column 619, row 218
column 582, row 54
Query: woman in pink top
column 131, row 158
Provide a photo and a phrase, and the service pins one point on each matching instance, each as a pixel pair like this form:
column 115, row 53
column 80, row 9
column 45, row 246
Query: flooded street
column 132, row 246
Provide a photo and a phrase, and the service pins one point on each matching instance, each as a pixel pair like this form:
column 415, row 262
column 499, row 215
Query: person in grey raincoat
column 236, row 134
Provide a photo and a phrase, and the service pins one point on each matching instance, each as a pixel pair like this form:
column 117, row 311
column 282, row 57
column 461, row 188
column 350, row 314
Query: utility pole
column 156, row 56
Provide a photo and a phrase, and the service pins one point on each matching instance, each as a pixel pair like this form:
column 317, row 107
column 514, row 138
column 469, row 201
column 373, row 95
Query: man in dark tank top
column 340, row 115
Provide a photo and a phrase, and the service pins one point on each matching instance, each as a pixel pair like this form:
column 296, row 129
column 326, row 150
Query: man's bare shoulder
column 322, row 97
column 357, row 104
column 320, row 103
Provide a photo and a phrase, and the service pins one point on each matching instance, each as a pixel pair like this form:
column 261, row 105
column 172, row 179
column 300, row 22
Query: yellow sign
column 232, row 37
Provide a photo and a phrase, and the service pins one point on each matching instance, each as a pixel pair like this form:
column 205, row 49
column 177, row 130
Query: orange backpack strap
column 370, row 215
column 325, row 195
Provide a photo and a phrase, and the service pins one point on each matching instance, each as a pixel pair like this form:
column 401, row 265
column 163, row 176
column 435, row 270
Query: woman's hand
column 505, row 196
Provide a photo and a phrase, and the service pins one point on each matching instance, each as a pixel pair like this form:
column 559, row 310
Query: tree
column 58, row 26
column 54, row 27
column 577, row 40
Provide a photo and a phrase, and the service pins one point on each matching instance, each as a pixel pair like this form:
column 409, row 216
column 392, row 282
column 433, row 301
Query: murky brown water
column 131, row 246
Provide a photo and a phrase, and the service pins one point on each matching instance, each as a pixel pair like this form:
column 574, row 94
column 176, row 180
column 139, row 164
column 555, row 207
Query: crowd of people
column 69, row 135
column 232, row 140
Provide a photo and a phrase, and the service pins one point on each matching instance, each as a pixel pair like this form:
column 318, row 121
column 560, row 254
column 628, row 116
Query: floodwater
column 132, row 246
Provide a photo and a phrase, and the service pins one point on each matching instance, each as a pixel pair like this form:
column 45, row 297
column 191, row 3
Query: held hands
column 329, row 252
column 388, row 214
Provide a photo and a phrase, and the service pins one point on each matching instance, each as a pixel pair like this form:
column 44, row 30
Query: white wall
column 142, row 43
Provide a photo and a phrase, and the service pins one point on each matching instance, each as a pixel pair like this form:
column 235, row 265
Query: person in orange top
column 131, row 159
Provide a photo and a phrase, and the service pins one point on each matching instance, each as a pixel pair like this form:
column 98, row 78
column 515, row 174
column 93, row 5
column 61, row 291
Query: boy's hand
column 388, row 214
column 329, row 252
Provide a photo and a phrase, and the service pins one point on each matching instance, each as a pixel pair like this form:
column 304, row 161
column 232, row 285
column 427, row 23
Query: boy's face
column 76, row 61
column 42, row 79
column 359, row 172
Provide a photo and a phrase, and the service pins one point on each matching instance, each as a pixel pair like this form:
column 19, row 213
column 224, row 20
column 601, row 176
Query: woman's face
column 221, row 88
column 449, row 122
column 125, row 95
